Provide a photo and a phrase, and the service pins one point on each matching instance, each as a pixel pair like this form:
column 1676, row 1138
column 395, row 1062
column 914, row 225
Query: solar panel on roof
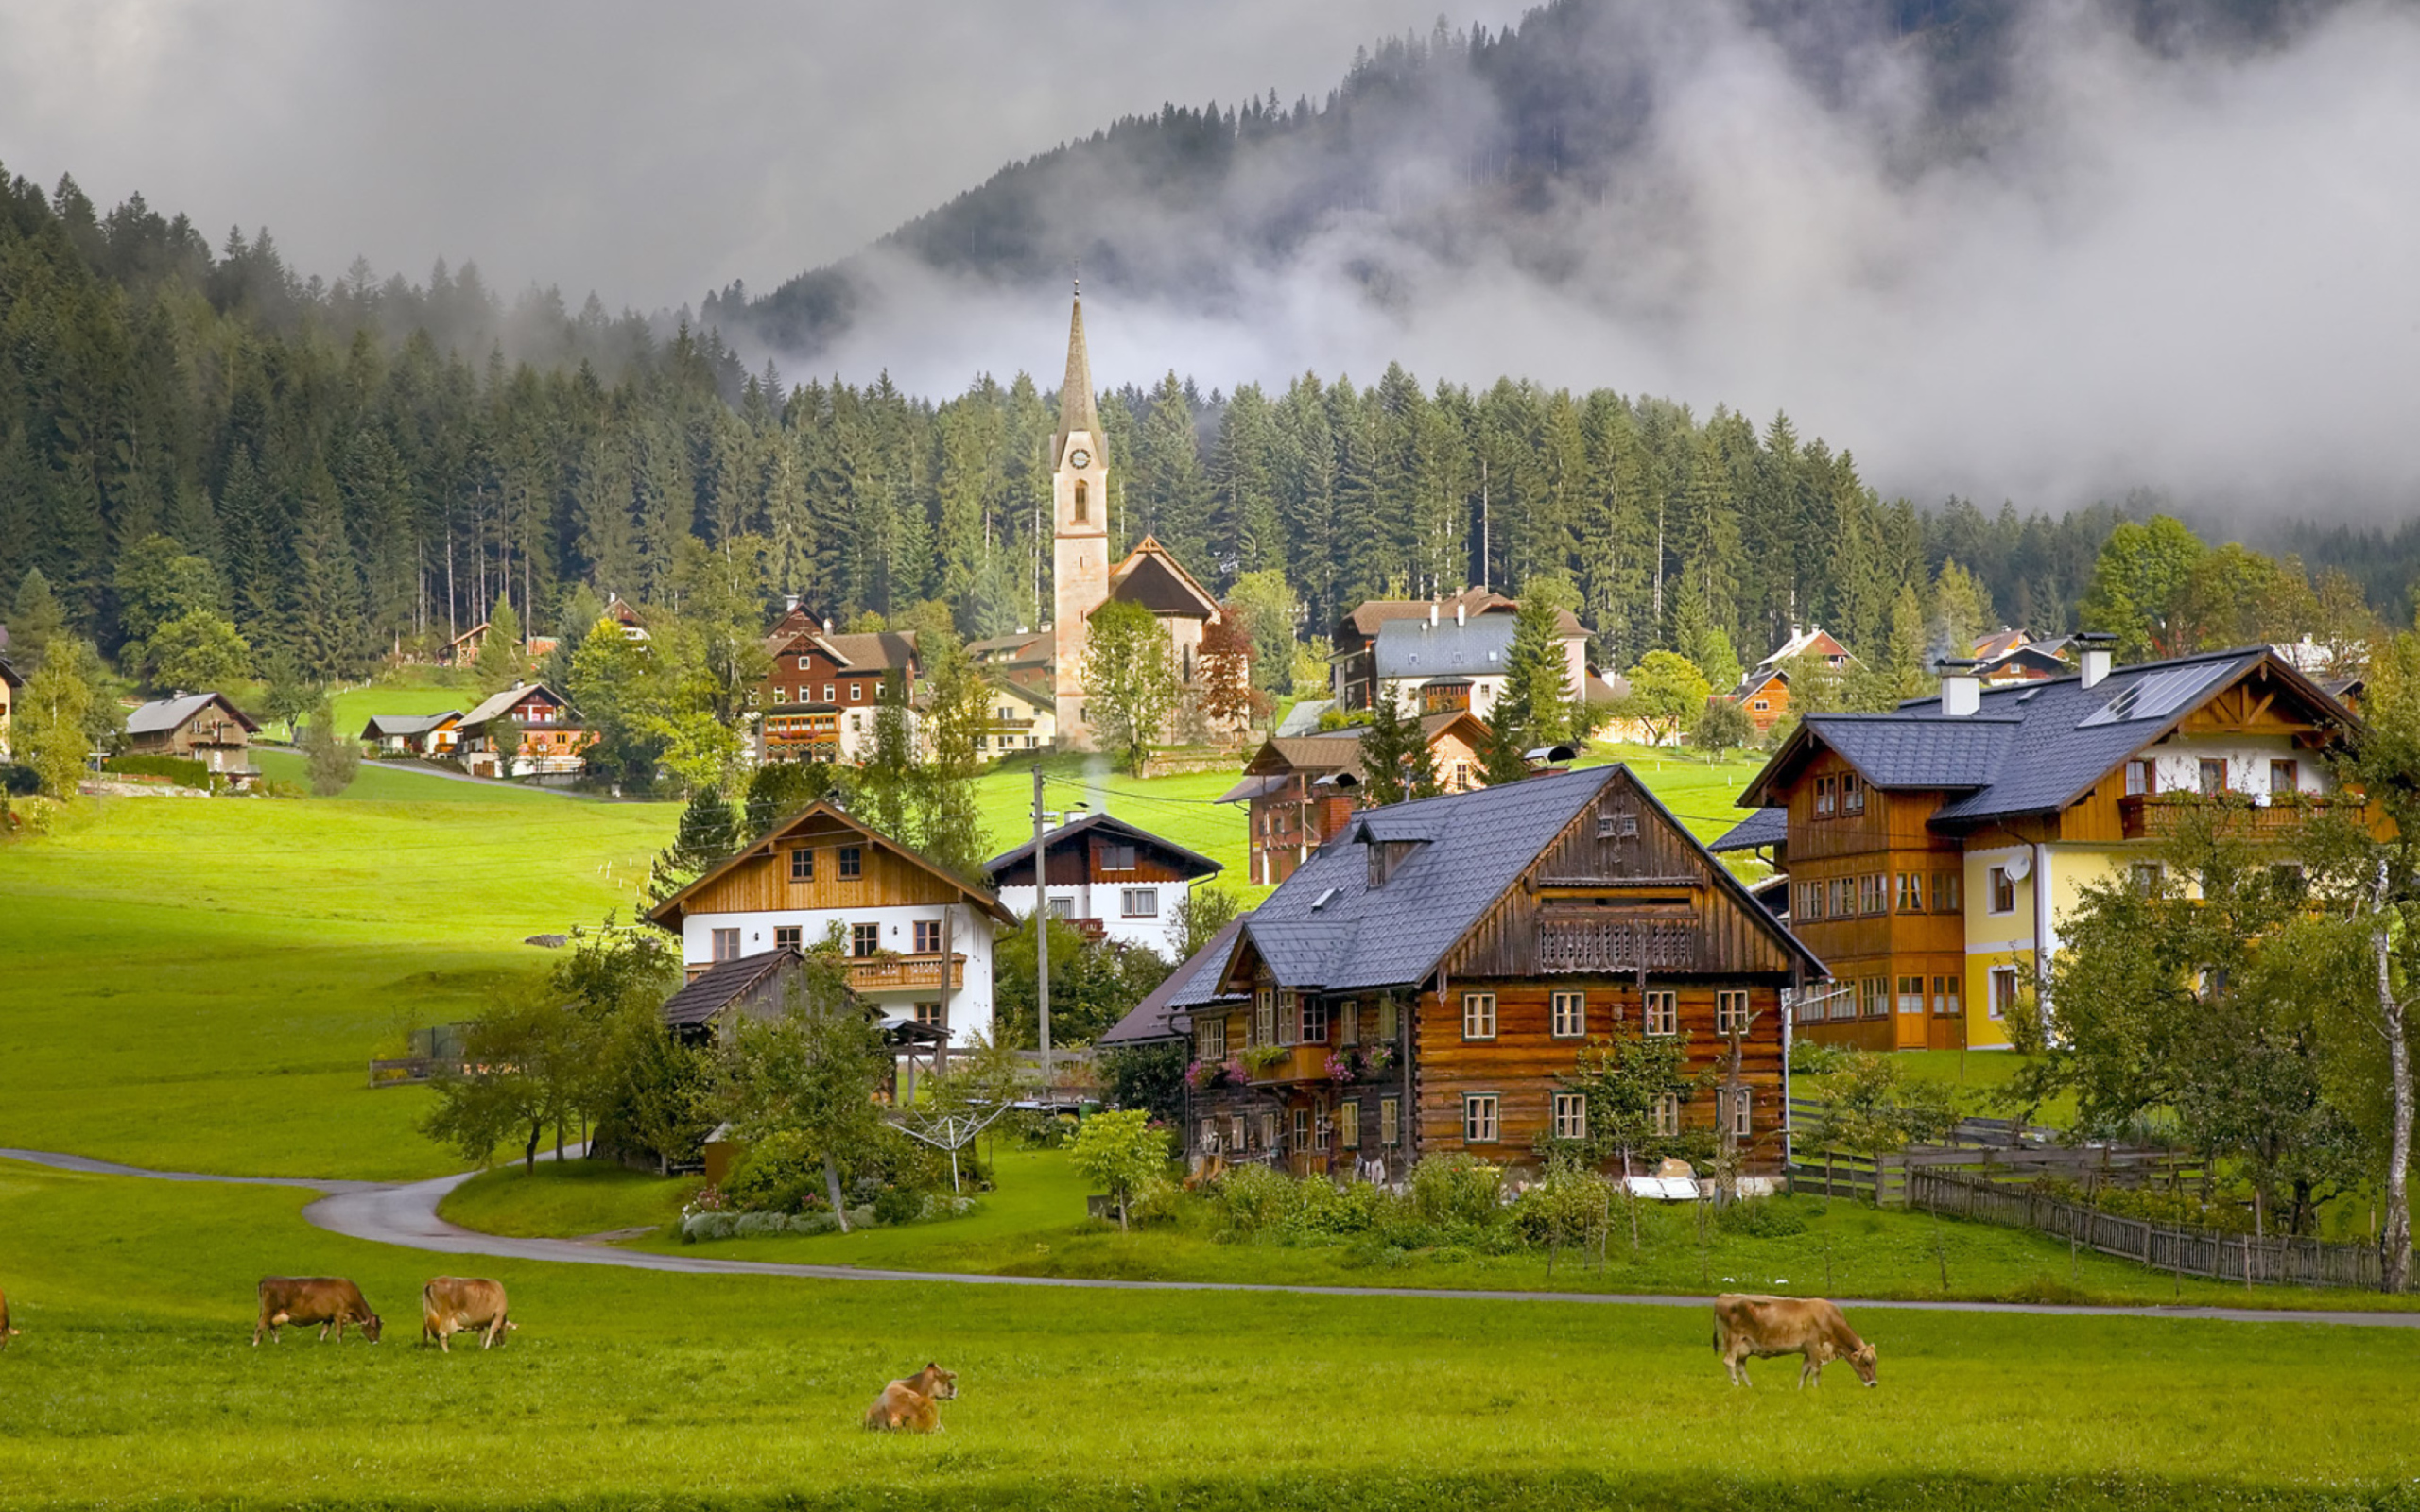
column 2157, row 695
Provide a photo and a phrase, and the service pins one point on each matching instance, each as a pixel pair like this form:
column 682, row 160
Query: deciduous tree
column 1130, row 685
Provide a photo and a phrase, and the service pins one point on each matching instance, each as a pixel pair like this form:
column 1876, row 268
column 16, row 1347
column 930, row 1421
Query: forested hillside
column 365, row 463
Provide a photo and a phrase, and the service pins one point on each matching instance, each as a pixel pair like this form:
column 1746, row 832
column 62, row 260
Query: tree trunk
column 2395, row 1254
column 832, row 1190
column 1121, row 1214
column 529, row 1151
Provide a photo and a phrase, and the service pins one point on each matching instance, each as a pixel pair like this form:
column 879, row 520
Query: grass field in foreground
column 200, row 983
column 136, row 1384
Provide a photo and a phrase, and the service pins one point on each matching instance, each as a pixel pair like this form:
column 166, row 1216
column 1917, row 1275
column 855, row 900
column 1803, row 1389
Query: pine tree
column 504, row 654
column 34, row 623
column 1397, row 764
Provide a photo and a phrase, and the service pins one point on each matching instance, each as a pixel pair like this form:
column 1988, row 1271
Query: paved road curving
column 406, row 1215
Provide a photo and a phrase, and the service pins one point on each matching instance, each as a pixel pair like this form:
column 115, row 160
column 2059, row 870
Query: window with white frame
column 1348, row 1022
column 1289, row 1016
column 2001, row 891
column 1390, row 1121
column 1731, row 1011
column 2003, row 983
column 1235, row 1132
column 1570, row 1116
column 1743, row 1112
column 1207, row 1137
column 1663, row 1011
column 1268, row 1129
column 1302, row 1128
column 1264, row 1016
column 1478, row 1015
column 1348, row 1124
column 1568, row 1015
column 1668, row 1115
column 1139, row 902
column 1210, row 1039
column 1481, row 1123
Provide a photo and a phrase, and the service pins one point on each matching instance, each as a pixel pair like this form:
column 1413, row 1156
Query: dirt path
column 405, row 1215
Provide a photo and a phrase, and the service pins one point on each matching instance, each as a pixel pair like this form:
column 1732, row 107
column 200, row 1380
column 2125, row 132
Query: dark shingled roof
column 1761, row 828
column 1326, row 927
column 1199, row 865
column 1157, row 1016
column 2031, row 748
column 716, row 988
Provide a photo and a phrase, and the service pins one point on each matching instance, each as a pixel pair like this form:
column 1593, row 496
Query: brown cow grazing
column 330, row 1301
column 455, row 1304
column 1808, row 1325
column 914, row 1403
column 6, row 1331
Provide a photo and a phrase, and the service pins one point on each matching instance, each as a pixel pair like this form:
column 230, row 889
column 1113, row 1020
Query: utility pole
column 1041, row 929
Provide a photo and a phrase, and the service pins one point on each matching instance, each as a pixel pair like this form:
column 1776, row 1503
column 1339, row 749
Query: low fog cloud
column 2195, row 276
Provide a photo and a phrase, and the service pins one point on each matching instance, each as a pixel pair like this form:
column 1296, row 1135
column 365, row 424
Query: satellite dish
column 2019, row 867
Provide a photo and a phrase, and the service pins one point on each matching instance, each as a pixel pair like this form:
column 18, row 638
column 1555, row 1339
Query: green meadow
column 136, row 1384
column 197, row 984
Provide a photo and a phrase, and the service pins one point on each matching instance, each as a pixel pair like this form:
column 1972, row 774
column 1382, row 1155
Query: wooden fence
column 2182, row 1249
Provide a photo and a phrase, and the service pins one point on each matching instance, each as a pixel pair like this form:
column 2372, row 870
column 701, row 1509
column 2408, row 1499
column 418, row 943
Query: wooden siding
column 1075, row 867
column 1523, row 1064
column 1639, row 886
column 762, row 881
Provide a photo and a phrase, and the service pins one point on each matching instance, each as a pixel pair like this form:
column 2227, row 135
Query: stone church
column 1083, row 577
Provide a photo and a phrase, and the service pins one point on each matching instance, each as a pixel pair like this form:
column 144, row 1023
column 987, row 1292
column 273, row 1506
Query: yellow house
column 1023, row 718
column 1933, row 852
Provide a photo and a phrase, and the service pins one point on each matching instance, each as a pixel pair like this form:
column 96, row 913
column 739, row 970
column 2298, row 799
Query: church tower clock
column 1080, row 552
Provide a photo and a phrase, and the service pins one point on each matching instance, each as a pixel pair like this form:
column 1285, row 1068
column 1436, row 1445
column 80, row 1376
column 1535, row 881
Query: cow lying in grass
column 914, row 1403
column 1765, row 1326
column 330, row 1301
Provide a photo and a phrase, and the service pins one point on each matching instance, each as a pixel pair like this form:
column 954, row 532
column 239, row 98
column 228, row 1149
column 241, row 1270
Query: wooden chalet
column 818, row 699
column 202, row 727
column 1932, row 850
column 1298, row 790
column 464, row 650
column 1765, row 693
column 1425, row 985
column 413, row 735
column 1110, row 878
column 918, row 942
column 550, row 740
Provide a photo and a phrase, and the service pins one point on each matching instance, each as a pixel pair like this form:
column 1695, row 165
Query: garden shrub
column 1457, row 1188
column 1258, row 1198
column 898, row 1205
column 19, row 781
column 778, row 1175
column 1761, row 1218
column 182, row 770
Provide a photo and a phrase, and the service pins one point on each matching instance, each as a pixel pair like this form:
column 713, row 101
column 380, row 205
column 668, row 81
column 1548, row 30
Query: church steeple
column 1076, row 410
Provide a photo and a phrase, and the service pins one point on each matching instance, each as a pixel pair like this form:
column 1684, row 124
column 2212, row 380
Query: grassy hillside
column 200, row 983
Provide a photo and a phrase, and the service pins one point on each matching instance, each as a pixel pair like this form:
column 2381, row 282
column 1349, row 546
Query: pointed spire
column 1075, row 411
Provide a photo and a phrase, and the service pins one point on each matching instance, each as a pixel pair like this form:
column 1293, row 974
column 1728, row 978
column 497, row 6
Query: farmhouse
column 918, row 942
column 546, row 735
column 1423, row 985
column 1023, row 716
column 1932, row 850
column 10, row 683
column 1109, row 878
column 413, row 735
column 819, row 698
column 464, row 650
column 204, row 727
column 1300, row 789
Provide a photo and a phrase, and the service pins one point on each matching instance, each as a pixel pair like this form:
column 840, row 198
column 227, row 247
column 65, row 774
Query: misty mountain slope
column 1537, row 147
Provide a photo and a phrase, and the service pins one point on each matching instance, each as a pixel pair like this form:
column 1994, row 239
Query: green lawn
column 135, row 1384
column 566, row 1199
column 202, row 984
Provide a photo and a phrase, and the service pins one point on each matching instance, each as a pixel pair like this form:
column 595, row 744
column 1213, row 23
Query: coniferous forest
column 368, row 465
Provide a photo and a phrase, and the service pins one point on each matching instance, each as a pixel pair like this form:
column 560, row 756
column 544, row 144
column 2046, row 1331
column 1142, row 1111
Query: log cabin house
column 1425, row 980
column 918, row 940
column 1931, row 851
column 1111, row 879
column 202, row 727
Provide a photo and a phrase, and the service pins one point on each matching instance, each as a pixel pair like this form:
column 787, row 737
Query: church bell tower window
column 1082, row 502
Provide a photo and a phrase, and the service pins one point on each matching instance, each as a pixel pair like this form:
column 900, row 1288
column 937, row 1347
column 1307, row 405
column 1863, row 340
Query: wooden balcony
column 1301, row 1063
column 2163, row 815
column 1612, row 946
column 905, row 973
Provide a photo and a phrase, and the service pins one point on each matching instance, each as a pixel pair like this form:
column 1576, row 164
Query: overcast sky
column 645, row 151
